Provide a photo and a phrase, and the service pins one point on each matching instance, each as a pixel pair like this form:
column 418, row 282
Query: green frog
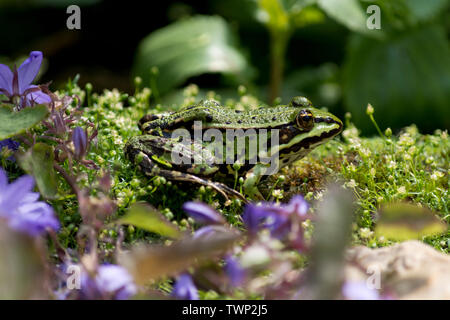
column 178, row 145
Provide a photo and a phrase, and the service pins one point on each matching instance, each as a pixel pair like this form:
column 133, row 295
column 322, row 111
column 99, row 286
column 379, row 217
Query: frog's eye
column 305, row 120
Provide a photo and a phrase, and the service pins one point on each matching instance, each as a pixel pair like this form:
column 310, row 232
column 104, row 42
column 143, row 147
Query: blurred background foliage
column 277, row 48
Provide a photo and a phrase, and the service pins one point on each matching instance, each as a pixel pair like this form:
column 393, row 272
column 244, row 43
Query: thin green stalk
column 278, row 45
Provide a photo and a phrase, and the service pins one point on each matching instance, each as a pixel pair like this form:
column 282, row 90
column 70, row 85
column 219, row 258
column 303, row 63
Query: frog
column 299, row 128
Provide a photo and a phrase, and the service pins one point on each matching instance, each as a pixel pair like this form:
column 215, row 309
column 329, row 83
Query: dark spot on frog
column 209, row 118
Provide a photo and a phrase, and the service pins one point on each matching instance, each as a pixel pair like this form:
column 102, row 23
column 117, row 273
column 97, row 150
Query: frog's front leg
column 252, row 178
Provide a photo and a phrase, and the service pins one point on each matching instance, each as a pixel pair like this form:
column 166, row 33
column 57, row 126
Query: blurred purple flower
column 297, row 206
column 359, row 291
column 110, row 282
column 254, row 215
column 21, row 208
column 234, row 270
column 184, row 288
column 279, row 219
column 18, row 83
column 80, row 142
column 203, row 213
column 11, row 145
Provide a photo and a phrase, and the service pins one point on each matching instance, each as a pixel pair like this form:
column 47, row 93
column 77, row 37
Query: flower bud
column 80, row 142
column 369, row 109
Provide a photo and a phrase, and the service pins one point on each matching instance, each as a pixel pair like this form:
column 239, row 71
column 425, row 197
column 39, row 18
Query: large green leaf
column 406, row 13
column 12, row 123
column 38, row 162
column 187, row 48
column 406, row 79
column 350, row 13
column 149, row 219
column 46, row 3
column 426, row 10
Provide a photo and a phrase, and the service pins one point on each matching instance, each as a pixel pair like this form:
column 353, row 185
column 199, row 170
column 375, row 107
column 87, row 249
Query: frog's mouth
column 309, row 142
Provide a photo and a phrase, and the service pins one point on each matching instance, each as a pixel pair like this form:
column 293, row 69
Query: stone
column 407, row 270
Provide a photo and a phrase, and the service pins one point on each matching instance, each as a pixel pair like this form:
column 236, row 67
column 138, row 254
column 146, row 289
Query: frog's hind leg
column 150, row 168
column 148, row 118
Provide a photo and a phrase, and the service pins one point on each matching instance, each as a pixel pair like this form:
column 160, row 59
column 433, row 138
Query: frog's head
column 308, row 128
column 314, row 121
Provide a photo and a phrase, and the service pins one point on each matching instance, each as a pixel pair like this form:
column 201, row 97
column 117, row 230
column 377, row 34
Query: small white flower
column 351, row 184
column 365, row 152
column 405, row 140
column 392, row 165
column 277, row 193
column 365, row 233
column 401, row 190
column 436, row 175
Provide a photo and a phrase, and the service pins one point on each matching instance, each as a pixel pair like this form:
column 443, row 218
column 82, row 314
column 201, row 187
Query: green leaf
column 426, row 10
column 402, row 221
column 47, row 3
column 38, row 162
column 12, row 123
column 407, row 13
column 274, row 15
column 307, row 16
column 401, row 79
column 350, row 13
column 285, row 15
column 149, row 219
column 188, row 48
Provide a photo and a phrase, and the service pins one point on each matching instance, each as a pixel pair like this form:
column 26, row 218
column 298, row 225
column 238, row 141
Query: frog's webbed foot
column 150, row 168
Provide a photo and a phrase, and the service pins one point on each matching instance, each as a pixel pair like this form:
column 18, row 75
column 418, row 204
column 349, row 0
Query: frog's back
column 217, row 116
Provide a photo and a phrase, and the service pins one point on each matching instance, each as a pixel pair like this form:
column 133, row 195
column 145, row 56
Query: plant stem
column 278, row 44
column 376, row 126
column 70, row 180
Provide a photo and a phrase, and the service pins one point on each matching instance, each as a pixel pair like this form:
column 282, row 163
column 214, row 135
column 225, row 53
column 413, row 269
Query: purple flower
column 202, row 213
column 297, row 206
column 80, row 143
column 253, row 217
column 235, row 272
column 18, row 83
column 21, row 208
column 110, row 282
column 359, row 291
column 279, row 219
column 11, row 145
column 184, row 288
